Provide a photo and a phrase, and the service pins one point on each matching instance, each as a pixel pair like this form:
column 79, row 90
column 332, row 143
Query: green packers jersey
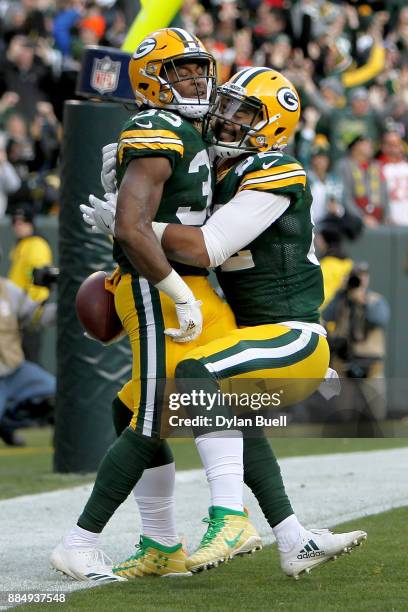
column 277, row 277
column 188, row 192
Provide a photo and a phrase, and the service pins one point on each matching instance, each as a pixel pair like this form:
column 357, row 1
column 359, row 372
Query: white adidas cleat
column 84, row 564
column 316, row 546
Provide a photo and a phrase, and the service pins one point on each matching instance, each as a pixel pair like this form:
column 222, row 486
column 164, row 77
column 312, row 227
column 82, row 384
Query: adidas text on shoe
column 316, row 546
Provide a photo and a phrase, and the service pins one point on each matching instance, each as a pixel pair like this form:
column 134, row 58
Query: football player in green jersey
column 263, row 240
column 164, row 173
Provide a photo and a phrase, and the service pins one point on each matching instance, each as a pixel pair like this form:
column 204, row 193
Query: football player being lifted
column 274, row 287
column 260, row 240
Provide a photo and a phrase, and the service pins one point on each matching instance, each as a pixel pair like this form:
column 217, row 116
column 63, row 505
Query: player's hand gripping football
column 108, row 174
column 100, row 215
column 190, row 320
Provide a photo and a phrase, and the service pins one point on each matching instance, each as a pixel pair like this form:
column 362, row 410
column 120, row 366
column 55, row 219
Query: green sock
column 164, row 455
column 263, row 476
column 122, row 416
column 118, row 473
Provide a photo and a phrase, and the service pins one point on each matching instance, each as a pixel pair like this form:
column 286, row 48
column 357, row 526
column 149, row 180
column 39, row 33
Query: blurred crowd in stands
column 349, row 62
column 348, row 59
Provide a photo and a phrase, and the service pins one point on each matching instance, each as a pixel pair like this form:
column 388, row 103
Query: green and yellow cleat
column 229, row 534
column 154, row 559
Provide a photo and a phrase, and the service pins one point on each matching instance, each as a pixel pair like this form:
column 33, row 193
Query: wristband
column 174, row 286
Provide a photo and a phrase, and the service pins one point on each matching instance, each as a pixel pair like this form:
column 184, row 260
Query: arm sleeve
column 239, row 222
column 374, row 65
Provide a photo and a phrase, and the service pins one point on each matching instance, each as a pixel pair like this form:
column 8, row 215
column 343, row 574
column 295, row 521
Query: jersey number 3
column 184, row 213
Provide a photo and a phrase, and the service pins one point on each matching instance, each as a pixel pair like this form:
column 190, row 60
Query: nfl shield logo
column 105, row 75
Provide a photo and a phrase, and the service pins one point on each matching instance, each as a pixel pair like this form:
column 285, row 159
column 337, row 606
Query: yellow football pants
column 145, row 314
column 276, row 357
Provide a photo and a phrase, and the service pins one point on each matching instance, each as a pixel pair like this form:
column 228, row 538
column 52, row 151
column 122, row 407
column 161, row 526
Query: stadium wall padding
column 89, row 375
column 386, row 251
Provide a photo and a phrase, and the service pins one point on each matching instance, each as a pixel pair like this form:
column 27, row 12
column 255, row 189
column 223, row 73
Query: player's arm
column 228, row 230
column 138, row 201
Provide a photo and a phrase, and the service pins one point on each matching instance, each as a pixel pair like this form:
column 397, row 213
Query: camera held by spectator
column 46, row 276
column 356, row 319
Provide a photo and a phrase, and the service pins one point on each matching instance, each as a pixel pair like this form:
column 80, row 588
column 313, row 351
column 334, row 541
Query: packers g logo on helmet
column 154, row 64
column 288, row 99
column 271, row 107
column 146, row 46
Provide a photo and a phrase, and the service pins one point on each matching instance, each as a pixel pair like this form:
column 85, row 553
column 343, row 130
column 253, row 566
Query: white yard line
column 325, row 490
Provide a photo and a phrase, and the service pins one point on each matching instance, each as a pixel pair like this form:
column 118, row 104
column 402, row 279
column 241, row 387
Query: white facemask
column 228, row 152
column 191, row 107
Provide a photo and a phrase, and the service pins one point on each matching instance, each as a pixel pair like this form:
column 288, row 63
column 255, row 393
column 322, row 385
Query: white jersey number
column 174, row 120
column 184, row 213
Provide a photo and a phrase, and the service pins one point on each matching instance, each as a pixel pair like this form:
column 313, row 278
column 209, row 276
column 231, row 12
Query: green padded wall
column 89, row 375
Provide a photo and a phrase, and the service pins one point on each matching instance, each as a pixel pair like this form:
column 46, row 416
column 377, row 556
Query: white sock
column 81, row 538
column 154, row 495
column 287, row 533
column 221, row 454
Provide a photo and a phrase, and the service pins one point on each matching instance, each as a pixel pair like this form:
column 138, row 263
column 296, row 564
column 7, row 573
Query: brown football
column 95, row 308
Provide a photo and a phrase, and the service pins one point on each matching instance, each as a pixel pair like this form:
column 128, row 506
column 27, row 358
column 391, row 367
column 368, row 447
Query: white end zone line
column 325, row 490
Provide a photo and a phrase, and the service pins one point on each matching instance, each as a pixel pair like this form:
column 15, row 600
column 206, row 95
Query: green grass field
column 28, row 470
column 373, row 579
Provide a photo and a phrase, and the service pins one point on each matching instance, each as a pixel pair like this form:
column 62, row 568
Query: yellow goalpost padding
column 154, row 14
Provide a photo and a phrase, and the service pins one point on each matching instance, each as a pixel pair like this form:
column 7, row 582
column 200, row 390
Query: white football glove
column 190, row 320
column 100, row 215
column 108, row 174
